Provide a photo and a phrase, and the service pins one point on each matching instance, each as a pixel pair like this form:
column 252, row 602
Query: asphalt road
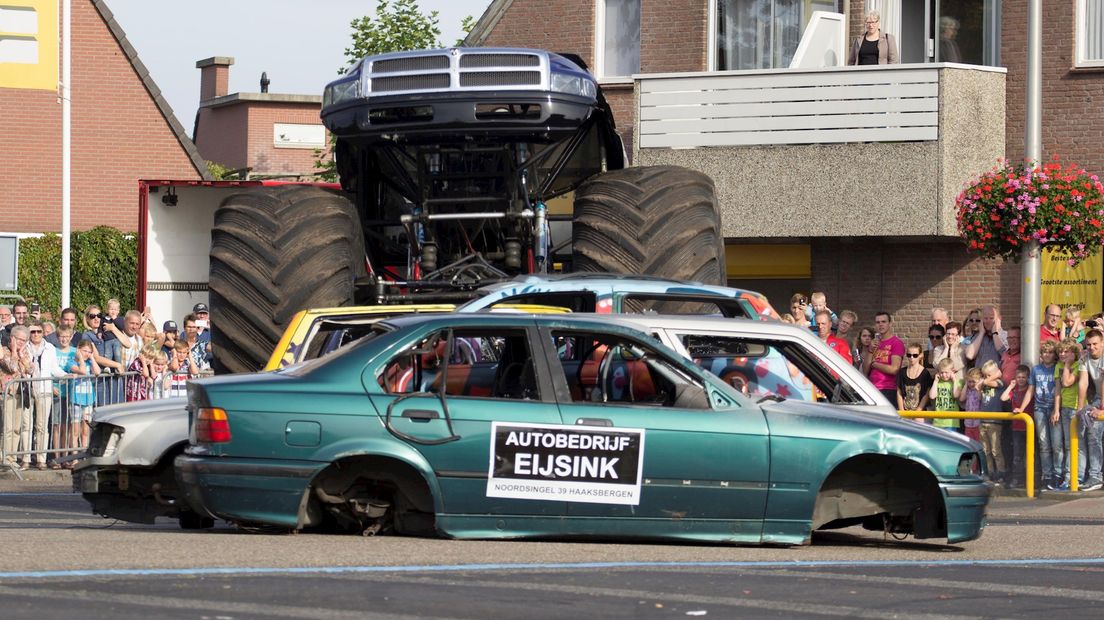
column 1036, row 557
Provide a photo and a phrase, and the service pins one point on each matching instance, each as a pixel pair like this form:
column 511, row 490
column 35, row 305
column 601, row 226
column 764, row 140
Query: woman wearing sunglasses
column 971, row 326
column 913, row 381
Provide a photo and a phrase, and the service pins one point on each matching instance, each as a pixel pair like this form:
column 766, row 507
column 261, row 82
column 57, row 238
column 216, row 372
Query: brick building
column 866, row 218
column 267, row 133
column 123, row 130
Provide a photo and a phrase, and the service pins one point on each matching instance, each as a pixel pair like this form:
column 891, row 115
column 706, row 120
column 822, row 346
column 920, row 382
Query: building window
column 761, row 34
column 298, row 136
column 18, row 30
column 619, row 38
column 1090, row 33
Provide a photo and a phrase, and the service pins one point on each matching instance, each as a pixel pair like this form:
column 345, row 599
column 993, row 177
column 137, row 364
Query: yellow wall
column 768, row 261
column 40, row 75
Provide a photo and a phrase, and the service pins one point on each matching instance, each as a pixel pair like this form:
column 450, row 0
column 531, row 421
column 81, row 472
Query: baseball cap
column 170, row 326
column 200, row 307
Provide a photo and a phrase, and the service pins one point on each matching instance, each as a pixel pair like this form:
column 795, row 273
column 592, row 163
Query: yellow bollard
column 1029, row 456
column 1072, row 447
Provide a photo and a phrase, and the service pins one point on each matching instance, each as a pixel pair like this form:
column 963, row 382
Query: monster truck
column 450, row 160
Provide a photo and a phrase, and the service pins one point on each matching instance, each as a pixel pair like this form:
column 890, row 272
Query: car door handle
column 594, row 422
column 420, row 415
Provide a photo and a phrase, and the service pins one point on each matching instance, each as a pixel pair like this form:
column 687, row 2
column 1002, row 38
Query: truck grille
column 431, row 81
column 483, row 61
column 411, row 63
column 476, row 79
column 455, row 70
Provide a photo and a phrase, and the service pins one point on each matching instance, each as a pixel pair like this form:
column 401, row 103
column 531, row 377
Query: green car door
column 443, row 396
column 706, row 461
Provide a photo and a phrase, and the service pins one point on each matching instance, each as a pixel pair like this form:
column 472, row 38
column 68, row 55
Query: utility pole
column 66, row 146
column 1033, row 140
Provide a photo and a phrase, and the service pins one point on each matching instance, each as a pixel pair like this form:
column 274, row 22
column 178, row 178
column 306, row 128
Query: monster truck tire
column 276, row 251
column 655, row 220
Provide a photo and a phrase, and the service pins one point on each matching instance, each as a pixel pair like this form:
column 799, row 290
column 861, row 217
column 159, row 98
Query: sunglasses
column 36, row 331
column 973, row 320
column 912, row 355
column 935, row 337
column 91, row 316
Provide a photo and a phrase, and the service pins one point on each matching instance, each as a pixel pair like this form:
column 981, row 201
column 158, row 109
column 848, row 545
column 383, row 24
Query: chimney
column 214, row 76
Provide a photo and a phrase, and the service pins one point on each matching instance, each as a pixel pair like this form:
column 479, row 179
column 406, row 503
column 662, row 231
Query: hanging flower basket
column 1061, row 208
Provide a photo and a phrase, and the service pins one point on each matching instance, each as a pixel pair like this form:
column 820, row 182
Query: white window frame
column 1079, row 20
column 711, row 33
column 600, row 46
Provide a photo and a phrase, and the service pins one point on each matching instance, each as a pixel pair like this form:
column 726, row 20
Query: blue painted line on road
column 305, row 570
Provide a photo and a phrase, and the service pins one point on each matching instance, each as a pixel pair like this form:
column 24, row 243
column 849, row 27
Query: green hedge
column 104, row 264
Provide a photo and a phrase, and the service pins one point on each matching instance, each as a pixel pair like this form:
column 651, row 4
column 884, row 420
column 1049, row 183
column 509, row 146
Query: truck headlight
column 574, row 85
column 339, row 92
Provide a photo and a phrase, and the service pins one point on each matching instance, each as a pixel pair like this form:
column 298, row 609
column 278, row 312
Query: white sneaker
column 1095, row 486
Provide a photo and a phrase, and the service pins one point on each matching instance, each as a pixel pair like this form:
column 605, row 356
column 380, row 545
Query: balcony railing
column 856, row 104
column 808, row 146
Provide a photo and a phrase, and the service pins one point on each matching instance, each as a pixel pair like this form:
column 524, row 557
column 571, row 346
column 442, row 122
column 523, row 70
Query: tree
column 398, row 26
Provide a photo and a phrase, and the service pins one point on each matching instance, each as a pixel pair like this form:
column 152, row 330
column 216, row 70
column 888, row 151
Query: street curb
column 39, row 476
column 1060, row 496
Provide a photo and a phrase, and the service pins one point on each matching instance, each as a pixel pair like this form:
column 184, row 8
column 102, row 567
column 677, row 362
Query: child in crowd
column 1046, row 432
column 61, row 414
column 83, row 393
column 160, row 377
column 1018, row 396
column 1072, row 327
column 970, row 396
column 182, row 366
column 819, row 301
column 137, row 386
column 945, row 392
column 992, row 431
column 1066, row 375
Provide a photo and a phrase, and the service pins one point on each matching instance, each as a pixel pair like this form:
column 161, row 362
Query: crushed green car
column 509, row 426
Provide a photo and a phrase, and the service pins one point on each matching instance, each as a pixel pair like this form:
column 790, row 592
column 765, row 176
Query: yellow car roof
column 301, row 323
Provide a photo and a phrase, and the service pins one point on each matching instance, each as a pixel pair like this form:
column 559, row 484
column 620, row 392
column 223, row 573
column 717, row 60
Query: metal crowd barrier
column 1029, row 456
column 1072, row 449
column 45, row 418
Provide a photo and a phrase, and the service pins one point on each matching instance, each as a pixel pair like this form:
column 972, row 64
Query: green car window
column 608, row 368
column 472, row 363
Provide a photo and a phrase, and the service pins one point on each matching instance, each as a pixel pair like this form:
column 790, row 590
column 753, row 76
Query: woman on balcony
column 875, row 47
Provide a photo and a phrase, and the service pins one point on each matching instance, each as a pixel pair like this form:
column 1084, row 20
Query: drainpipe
column 1031, row 268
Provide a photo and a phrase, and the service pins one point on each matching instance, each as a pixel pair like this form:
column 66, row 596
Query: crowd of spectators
column 53, row 374
column 975, row 366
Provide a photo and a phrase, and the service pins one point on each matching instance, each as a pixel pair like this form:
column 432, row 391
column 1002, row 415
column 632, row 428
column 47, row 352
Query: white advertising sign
column 590, row 464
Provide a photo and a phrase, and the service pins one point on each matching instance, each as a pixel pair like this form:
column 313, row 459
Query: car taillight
column 212, row 425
